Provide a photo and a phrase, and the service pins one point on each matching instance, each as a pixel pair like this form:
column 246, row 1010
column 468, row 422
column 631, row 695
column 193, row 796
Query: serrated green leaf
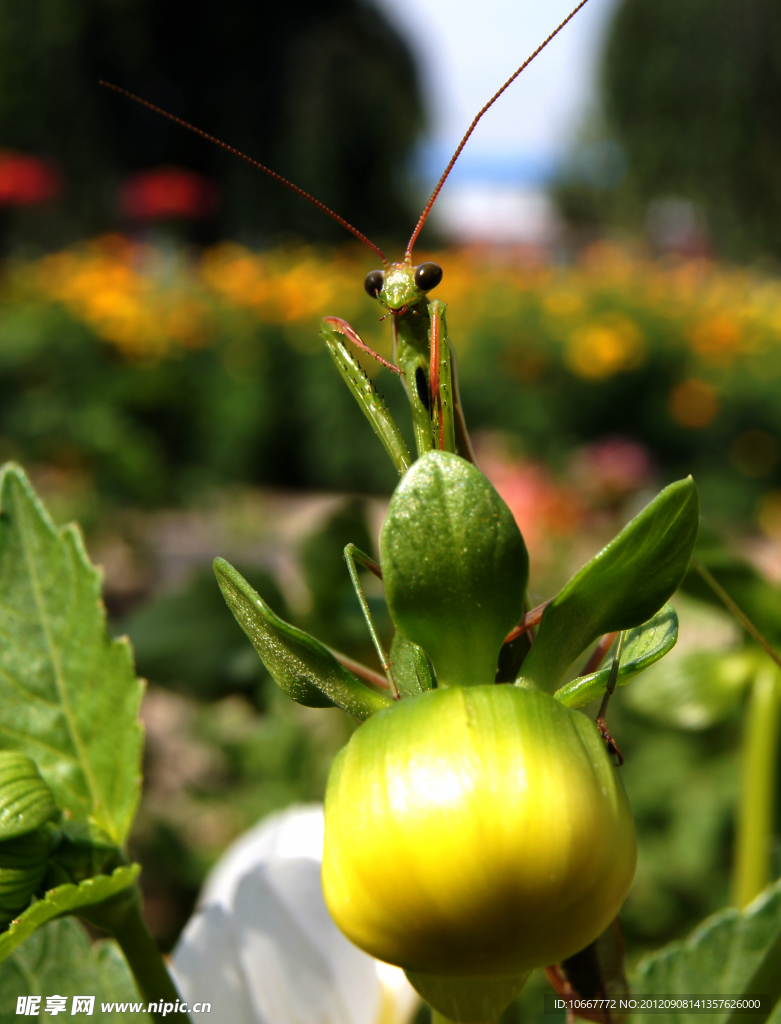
column 301, row 666
column 621, row 587
column 69, row 697
column 25, row 800
column 732, row 953
column 643, row 646
column 454, row 567
column 66, row 899
column 410, row 668
column 60, row 959
column 697, row 690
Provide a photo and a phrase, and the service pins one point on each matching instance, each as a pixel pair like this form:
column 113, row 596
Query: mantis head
column 400, row 285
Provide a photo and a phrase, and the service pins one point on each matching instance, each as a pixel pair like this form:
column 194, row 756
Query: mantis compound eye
column 374, row 282
column 428, row 276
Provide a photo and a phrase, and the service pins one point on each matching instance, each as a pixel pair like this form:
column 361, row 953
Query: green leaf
column 697, row 690
column 621, row 587
column 369, row 400
column 454, row 567
column 69, row 697
column 410, row 668
column 643, row 646
column 301, row 666
column 732, row 953
column 25, row 800
column 60, row 959
column 66, row 899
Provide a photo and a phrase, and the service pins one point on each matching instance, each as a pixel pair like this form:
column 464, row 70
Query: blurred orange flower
column 694, row 404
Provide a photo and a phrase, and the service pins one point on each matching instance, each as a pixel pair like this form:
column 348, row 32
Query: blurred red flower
column 25, row 180
column 167, row 192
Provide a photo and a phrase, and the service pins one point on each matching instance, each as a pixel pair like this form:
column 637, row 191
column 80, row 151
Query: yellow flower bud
column 476, row 831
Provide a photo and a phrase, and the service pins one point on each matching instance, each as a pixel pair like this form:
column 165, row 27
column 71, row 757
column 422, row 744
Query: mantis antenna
column 316, row 202
column 261, row 167
column 473, row 125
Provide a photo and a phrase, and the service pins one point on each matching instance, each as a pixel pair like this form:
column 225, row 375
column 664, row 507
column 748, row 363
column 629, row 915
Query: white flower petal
column 206, row 966
column 263, row 948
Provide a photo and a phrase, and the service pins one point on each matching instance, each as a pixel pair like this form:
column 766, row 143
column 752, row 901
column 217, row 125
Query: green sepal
column 370, row 401
column 642, row 647
column 467, row 1000
column 621, row 587
column 66, row 899
column 22, row 868
column 300, row 665
column 410, row 667
column 454, row 567
column 26, row 802
column 81, row 851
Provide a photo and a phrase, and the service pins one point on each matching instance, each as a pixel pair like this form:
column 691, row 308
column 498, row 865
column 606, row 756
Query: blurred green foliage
column 324, row 92
column 690, row 95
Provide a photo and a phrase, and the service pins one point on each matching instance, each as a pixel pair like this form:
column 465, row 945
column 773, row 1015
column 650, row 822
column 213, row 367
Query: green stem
column 736, row 610
column 751, row 872
column 123, row 918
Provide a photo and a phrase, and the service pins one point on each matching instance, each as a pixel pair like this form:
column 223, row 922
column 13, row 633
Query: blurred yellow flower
column 605, row 347
column 150, row 304
column 101, row 284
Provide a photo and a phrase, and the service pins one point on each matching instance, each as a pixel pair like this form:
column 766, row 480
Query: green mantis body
column 424, row 359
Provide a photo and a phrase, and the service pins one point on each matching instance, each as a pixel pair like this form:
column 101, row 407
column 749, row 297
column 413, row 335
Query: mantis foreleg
column 365, row 393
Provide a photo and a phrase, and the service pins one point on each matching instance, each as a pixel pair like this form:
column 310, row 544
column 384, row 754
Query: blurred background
column 610, row 241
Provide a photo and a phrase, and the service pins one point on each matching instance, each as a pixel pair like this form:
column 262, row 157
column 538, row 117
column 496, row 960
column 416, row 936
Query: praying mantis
column 422, row 356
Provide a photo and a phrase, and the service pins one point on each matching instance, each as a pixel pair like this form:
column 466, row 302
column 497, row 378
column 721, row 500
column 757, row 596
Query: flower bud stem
column 437, row 1018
